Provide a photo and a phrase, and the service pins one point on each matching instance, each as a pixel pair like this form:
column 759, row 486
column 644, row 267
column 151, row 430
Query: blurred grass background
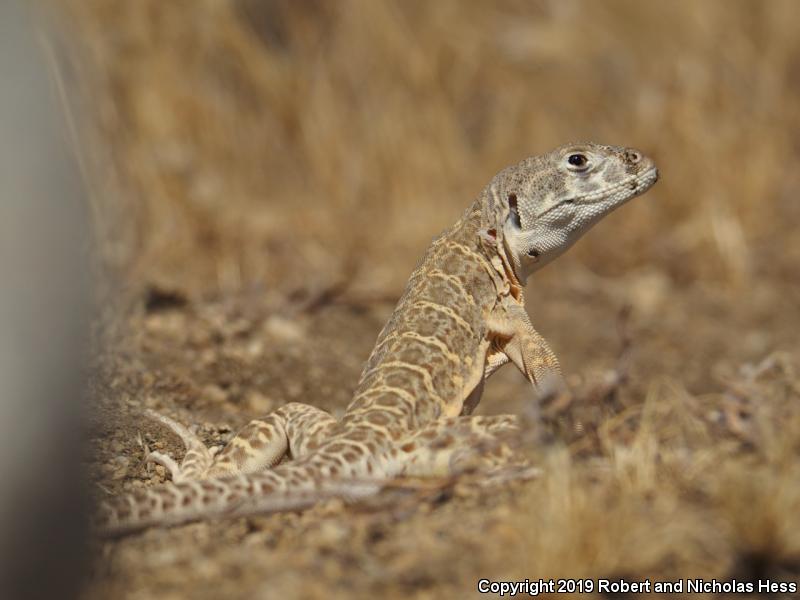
column 279, row 142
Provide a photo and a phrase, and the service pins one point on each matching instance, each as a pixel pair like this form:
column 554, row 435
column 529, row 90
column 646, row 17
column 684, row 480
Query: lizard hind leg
column 293, row 430
column 462, row 444
column 261, row 444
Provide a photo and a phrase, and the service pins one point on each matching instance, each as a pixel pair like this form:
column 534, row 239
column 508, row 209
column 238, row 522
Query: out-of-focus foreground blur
column 265, row 175
column 44, row 300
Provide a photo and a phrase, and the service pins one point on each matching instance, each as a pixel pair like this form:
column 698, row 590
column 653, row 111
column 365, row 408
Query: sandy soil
column 657, row 480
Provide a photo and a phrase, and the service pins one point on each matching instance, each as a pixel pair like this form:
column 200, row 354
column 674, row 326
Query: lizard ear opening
column 514, row 211
column 488, row 235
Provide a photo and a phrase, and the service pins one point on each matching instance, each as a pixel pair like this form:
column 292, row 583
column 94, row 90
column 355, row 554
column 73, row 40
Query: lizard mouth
column 635, row 185
column 638, row 183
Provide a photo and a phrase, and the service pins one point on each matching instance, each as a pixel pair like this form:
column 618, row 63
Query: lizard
column 460, row 318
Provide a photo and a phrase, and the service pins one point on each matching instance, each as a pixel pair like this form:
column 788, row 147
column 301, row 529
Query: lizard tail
column 285, row 488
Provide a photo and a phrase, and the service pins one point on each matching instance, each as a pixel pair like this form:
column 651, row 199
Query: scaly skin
column 460, row 318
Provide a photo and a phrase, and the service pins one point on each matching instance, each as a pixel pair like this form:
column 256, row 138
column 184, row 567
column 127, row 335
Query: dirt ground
column 266, row 175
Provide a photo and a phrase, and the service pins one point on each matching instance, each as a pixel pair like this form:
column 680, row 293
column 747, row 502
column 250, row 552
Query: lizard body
column 460, row 318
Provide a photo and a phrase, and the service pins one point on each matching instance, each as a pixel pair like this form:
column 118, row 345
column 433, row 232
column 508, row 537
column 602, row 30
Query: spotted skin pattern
column 460, row 318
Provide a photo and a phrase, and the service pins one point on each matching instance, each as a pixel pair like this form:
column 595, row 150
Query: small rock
column 255, row 348
column 259, row 403
column 214, row 393
column 283, row 329
column 294, row 389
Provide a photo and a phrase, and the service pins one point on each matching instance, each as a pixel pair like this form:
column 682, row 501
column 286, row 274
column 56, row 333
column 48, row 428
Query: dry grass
column 289, row 146
column 236, row 127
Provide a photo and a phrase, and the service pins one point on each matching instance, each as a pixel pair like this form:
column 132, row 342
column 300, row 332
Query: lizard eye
column 578, row 162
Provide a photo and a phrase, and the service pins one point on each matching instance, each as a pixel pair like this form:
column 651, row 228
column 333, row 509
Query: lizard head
column 541, row 206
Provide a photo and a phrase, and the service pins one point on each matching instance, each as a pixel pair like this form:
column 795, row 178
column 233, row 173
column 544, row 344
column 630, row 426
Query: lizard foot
column 196, row 461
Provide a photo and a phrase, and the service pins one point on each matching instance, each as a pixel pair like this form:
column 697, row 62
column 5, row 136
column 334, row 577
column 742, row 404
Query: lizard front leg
column 516, row 338
column 495, row 358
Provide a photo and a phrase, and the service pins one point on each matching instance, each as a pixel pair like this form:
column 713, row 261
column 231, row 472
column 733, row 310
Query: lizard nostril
column 632, row 156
